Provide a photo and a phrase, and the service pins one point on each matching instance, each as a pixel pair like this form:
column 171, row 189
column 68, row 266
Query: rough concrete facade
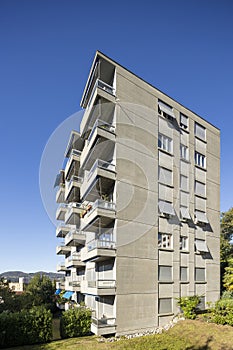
column 147, row 180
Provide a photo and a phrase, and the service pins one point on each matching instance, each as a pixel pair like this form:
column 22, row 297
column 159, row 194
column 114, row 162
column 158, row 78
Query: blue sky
column 182, row 47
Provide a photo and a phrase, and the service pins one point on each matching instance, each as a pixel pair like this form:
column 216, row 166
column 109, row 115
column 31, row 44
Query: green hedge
column 222, row 312
column 25, row 327
column 75, row 322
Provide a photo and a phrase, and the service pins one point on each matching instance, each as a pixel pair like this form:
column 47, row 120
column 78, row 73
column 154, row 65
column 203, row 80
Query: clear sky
column 183, row 47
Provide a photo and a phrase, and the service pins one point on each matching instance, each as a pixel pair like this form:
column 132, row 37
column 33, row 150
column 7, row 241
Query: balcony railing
column 102, row 284
column 101, row 204
column 75, row 257
column 102, row 85
column 73, row 178
column 103, row 244
column 103, row 322
column 102, row 165
column 103, row 125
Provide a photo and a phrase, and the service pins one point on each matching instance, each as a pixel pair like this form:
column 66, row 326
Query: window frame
column 170, row 172
column 165, row 143
column 168, row 241
column 200, row 280
column 184, row 155
column 163, row 279
column 184, row 246
column 199, row 193
column 202, row 129
column 186, row 269
column 170, row 311
column 184, row 126
column 200, row 160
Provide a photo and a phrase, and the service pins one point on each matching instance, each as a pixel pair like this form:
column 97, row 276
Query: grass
column 186, row 335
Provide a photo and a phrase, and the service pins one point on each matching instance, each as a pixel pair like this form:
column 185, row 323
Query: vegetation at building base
column 189, row 306
column 186, row 335
column 75, row 322
column 25, row 327
column 40, row 291
column 226, row 250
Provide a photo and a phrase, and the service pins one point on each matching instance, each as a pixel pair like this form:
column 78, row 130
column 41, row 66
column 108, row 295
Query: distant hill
column 13, row 276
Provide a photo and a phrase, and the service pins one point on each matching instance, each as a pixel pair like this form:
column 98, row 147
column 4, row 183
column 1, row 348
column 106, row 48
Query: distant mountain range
column 13, row 276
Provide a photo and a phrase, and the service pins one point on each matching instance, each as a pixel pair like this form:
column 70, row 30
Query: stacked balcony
column 95, row 148
column 72, row 215
column 60, row 195
column 74, row 260
column 72, row 189
column 61, row 267
column 75, row 238
column 62, row 230
column 61, row 211
column 62, row 249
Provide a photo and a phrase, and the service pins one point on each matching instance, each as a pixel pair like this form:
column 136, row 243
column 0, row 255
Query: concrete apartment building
column 139, row 204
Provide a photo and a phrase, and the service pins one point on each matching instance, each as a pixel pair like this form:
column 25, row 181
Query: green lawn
column 186, row 335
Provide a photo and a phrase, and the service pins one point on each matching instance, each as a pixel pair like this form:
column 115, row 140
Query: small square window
column 200, row 188
column 165, row 273
column 165, row 305
column 165, row 176
column 200, row 160
column 184, row 183
column 199, row 274
column 165, row 143
column 200, row 131
column 164, row 240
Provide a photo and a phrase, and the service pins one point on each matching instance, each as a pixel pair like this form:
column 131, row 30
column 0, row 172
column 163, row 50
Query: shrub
column 75, row 322
column 222, row 312
column 25, row 327
column 189, row 305
column 227, row 294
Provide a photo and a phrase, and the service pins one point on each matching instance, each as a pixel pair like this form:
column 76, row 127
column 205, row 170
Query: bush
column 75, row 322
column 227, row 294
column 25, row 327
column 189, row 305
column 222, row 312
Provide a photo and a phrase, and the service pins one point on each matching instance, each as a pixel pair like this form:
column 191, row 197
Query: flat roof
column 116, row 63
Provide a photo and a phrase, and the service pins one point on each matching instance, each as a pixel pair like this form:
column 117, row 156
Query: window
column 200, row 131
column 183, row 274
column 184, row 213
column 184, row 152
column 201, row 246
column 184, row 183
column 166, row 208
column 165, row 305
column 184, row 199
column 183, row 243
column 200, row 217
column 183, row 121
column 165, row 143
column 164, row 240
column 199, row 274
column 200, row 189
column 165, row 176
column 165, row 110
column 165, row 273
column 200, row 160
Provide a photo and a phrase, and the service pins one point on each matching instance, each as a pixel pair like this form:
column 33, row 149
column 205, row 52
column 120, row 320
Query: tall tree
column 41, row 289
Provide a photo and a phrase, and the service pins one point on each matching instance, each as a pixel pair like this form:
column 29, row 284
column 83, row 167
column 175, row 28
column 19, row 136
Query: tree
column 228, row 276
column 226, row 246
column 41, row 290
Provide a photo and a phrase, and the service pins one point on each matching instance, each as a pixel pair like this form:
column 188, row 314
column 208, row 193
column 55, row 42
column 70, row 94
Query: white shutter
column 200, row 131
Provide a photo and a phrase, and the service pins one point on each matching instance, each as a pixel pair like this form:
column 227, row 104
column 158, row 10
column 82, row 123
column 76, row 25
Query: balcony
column 99, row 250
column 103, row 326
column 60, row 195
column 60, row 284
column 62, row 230
column 101, row 131
column 75, row 238
column 72, row 216
column 101, row 214
column 61, row 268
column 61, row 211
column 100, row 180
column 100, row 88
column 73, row 163
column 74, row 261
column 72, row 189
column 62, row 249
column 75, row 286
column 102, row 287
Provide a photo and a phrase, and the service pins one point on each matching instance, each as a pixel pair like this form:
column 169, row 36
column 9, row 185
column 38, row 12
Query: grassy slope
column 186, row 335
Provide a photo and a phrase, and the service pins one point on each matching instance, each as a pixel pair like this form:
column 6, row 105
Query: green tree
column 227, row 224
column 226, row 249
column 42, row 290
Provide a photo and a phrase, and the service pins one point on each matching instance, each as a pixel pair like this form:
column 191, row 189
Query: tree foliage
column 42, row 290
column 227, row 225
